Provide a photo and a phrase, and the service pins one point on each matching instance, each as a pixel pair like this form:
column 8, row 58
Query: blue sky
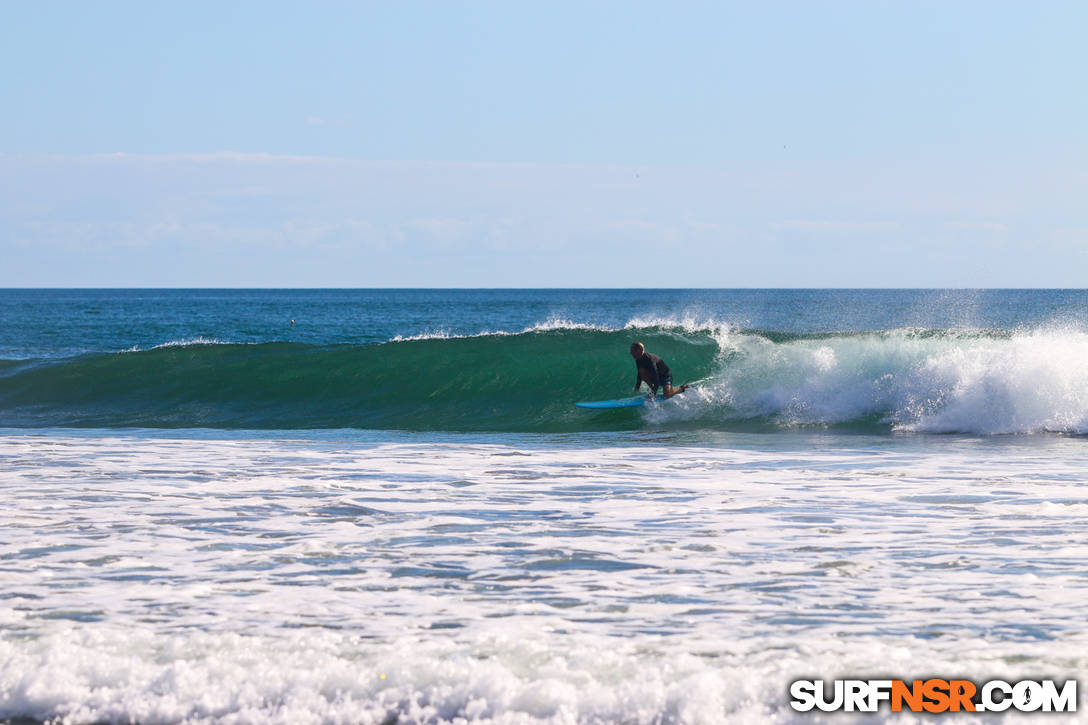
column 553, row 144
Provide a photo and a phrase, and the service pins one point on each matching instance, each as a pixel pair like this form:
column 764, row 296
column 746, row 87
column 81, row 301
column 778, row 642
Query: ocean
column 382, row 506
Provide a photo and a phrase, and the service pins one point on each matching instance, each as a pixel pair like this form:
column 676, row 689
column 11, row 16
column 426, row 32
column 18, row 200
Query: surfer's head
column 637, row 350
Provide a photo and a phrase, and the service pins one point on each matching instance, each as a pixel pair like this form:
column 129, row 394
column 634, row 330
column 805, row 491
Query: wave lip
column 187, row 342
column 550, row 325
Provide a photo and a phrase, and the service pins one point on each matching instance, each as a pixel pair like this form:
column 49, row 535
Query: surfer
column 653, row 371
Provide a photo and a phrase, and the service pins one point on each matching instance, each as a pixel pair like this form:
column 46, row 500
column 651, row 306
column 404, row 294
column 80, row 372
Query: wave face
column 981, row 382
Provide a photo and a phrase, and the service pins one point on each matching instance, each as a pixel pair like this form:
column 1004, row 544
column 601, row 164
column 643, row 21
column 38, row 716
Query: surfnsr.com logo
column 934, row 695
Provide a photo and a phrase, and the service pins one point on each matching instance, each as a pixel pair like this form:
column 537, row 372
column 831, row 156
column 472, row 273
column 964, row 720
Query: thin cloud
column 402, row 221
column 208, row 157
column 321, row 121
column 833, row 227
column 977, row 226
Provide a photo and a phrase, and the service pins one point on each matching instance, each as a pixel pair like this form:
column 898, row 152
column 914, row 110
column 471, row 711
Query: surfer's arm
column 638, row 379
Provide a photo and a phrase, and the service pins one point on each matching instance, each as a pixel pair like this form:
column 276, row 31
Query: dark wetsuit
column 657, row 372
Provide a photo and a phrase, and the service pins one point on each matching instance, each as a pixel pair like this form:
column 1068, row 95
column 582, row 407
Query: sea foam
column 452, row 579
column 949, row 381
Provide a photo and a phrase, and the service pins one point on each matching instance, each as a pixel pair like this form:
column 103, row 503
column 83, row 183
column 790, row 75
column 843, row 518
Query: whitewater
column 390, row 511
column 357, row 579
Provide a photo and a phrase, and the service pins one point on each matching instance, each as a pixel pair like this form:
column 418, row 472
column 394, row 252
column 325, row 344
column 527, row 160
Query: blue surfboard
column 636, row 402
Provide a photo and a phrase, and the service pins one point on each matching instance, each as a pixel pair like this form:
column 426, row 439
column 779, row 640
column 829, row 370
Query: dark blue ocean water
column 58, row 323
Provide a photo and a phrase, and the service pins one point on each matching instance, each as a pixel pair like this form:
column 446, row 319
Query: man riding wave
column 653, row 371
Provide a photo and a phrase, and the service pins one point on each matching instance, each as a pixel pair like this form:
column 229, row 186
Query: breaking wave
column 970, row 381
